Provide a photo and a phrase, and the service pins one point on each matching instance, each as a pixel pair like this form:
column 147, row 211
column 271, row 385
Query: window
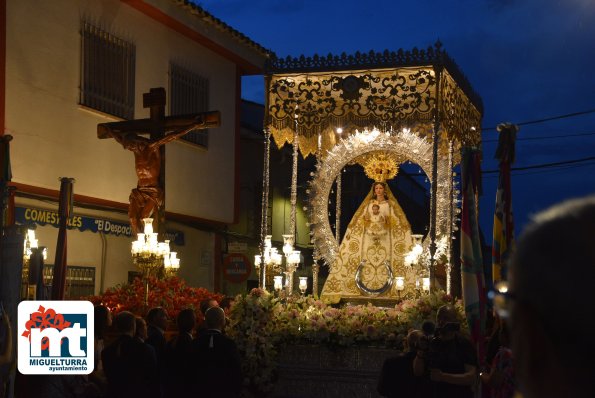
column 80, row 281
column 107, row 75
column 189, row 93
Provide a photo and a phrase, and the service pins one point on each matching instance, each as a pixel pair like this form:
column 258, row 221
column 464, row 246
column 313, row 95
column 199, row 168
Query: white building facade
column 72, row 64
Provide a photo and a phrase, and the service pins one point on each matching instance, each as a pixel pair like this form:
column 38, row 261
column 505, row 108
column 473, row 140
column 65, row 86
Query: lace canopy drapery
column 390, row 91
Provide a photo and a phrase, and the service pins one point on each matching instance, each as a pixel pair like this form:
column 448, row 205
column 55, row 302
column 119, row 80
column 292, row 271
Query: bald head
column 215, row 318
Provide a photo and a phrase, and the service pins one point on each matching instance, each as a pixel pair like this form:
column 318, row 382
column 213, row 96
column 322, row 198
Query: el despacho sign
column 31, row 215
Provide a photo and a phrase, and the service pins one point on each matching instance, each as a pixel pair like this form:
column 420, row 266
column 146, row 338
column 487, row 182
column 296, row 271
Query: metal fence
column 80, row 281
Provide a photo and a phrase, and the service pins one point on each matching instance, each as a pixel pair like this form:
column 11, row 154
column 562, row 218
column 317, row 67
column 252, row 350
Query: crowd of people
column 441, row 361
column 140, row 361
column 134, row 358
column 540, row 344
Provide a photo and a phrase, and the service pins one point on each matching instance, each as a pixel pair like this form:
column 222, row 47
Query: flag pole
column 503, row 232
column 64, row 211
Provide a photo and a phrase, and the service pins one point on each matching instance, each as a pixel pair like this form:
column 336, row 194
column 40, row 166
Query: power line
column 545, row 137
column 547, row 119
column 543, row 165
column 550, row 170
column 486, row 173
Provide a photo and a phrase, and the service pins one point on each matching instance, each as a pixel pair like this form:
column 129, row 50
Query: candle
column 426, row 284
column 400, row 283
column 303, row 283
column 278, row 282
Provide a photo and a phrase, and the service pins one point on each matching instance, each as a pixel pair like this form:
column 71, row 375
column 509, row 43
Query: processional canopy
column 378, row 110
column 391, row 91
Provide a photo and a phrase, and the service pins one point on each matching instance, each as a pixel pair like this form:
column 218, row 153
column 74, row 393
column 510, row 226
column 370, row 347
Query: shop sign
column 30, row 215
column 237, row 247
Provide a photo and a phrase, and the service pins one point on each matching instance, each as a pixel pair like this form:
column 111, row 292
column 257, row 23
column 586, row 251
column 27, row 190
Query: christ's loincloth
column 144, row 200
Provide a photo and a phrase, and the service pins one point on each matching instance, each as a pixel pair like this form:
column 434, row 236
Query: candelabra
column 153, row 258
column 271, row 260
column 268, row 260
column 28, row 289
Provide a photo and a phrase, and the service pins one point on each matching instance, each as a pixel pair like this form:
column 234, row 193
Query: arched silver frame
column 404, row 144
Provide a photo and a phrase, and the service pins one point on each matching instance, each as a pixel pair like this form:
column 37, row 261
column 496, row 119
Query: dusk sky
column 527, row 59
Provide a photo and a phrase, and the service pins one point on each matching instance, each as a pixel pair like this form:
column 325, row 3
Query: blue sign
column 29, row 215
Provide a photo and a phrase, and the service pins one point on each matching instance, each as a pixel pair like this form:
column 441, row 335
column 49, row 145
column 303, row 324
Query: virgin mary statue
column 372, row 250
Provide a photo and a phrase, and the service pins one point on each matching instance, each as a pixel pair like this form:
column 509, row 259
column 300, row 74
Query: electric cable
column 544, row 137
column 547, row 119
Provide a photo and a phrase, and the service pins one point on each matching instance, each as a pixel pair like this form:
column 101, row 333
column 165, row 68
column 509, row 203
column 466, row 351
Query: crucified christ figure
column 148, row 196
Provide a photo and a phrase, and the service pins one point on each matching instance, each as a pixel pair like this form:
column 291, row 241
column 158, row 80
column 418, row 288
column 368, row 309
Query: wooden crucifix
column 148, row 198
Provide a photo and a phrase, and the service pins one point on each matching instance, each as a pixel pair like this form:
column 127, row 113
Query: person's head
column 412, row 339
column 552, row 274
column 157, row 317
column 186, row 320
column 379, row 190
column 215, row 318
column 447, row 321
column 227, row 302
column 375, row 209
column 206, row 304
column 103, row 320
column 125, row 323
column 141, row 328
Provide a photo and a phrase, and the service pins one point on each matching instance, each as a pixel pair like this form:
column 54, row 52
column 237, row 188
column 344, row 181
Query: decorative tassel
column 211, row 342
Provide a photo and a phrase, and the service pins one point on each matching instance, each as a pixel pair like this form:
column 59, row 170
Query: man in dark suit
column 178, row 359
column 156, row 326
column 218, row 368
column 129, row 365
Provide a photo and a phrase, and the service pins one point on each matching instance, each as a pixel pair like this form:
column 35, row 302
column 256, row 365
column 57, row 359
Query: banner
column 472, row 276
column 503, row 232
column 30, row 215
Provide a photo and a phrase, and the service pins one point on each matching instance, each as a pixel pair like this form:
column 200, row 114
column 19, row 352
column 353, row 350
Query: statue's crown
column 380, row 166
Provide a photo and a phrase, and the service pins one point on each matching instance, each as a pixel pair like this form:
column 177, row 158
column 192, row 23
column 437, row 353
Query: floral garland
column 261, row 324
column 251, row 326
column 170, row 293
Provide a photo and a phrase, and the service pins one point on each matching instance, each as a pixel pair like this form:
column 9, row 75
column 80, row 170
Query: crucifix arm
column 201, row 121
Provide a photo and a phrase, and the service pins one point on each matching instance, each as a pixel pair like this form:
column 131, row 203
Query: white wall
column 55, row 137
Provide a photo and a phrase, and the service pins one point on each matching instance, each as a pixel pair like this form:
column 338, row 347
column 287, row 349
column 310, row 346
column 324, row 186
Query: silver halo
column 405, row 144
